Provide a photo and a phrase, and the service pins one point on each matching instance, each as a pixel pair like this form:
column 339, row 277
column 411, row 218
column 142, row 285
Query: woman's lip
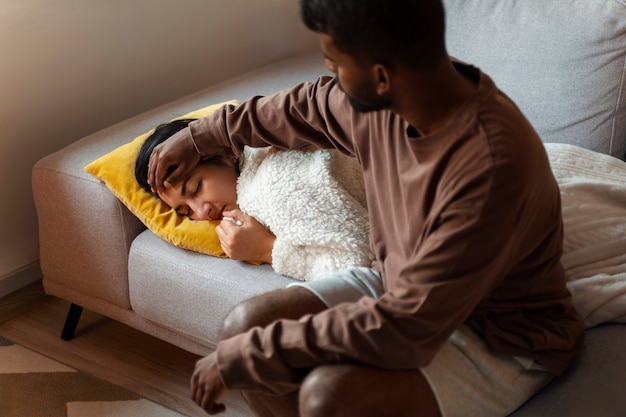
column 215, row 214
column 218, row 216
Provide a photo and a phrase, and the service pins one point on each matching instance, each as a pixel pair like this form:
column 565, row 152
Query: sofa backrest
column 562, row 61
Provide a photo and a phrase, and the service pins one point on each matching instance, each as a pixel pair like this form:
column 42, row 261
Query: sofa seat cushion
column 593, row 385
column 188, row 292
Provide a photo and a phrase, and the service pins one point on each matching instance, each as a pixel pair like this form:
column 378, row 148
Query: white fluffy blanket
column 593, row 190
column 314, row 202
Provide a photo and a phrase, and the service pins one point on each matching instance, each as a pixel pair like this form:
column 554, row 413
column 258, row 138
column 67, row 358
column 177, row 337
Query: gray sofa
column 562, row 61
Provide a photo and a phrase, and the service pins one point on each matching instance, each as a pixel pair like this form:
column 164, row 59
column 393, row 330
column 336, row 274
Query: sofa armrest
column 85, row 232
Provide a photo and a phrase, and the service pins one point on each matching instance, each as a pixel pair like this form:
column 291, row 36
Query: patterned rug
column 32, row 385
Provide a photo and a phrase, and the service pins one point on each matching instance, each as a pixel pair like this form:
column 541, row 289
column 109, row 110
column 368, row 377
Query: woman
column 302, row 211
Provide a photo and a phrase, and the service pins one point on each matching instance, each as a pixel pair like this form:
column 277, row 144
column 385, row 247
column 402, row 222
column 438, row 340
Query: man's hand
column 172, row 160
column 250, row 241
column 207, row 385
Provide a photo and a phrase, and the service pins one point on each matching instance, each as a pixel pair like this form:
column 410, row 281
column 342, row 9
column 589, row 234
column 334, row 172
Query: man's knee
column 288, row 303
column 241, row 319
column 256, row 311
column 321, row 393
column 336, row 390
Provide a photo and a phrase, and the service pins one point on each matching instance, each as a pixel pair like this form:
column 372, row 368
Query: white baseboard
column 20, row 279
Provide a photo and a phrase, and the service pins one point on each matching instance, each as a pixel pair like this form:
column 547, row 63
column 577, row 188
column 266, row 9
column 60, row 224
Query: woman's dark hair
column 409, row 32
column 161, row 133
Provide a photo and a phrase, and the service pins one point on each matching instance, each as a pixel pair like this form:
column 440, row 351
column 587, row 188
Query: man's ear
column 383, row 79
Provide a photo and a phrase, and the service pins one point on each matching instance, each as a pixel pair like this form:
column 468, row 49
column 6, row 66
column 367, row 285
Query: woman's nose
column 200, row 210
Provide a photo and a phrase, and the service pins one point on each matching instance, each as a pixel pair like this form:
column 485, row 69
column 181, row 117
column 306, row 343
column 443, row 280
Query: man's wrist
column 204, row 133
column 189, row 136
column 230, row 364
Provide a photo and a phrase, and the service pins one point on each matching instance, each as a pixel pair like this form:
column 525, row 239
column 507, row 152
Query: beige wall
column 72, row 67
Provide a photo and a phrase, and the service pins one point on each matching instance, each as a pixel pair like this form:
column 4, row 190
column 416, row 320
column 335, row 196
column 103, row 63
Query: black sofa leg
column 71, row 321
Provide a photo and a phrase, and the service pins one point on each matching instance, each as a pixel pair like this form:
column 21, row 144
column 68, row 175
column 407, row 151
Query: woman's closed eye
column 187, row 185
column 185, row 210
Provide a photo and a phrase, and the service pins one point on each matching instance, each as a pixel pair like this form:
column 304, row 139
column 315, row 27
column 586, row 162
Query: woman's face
column 209, row 190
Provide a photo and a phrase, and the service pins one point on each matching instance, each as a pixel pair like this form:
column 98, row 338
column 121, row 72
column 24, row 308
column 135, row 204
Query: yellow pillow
column 117, row 170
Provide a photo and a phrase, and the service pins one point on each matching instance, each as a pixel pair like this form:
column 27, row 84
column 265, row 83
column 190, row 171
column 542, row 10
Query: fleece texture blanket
column 314, row 203
column 593, row 192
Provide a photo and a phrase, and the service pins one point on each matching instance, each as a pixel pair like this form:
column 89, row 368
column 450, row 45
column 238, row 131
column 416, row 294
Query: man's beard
column 363, row 100
column 363, row 106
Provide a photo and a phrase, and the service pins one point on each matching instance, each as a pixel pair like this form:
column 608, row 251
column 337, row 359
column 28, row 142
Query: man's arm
column 308, row 115
column 292, row 119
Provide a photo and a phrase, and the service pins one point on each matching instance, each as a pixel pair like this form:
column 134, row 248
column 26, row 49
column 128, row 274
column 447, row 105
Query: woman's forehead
column 172, row 194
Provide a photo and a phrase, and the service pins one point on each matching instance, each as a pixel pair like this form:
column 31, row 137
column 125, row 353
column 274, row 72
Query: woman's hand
column 250, row 241
column 171, row 160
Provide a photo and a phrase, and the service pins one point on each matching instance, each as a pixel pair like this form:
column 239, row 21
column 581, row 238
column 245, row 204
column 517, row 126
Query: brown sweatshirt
column 465, row 225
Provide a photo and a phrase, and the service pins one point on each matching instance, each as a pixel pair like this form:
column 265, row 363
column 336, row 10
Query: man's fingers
column 151, row 168
column 173, row 173
column 196, row 390
column 217, row 408
column 166, row 176
column 208, row 403
column 207, row 385
column 161, row 176
column 205, row 400
column 172, row 160
column 157, row 171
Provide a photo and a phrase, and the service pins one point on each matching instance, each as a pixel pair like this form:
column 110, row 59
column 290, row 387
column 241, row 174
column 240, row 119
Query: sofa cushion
column 563, row 63
column 592, row 386
column 117, row 170
column 191, row 292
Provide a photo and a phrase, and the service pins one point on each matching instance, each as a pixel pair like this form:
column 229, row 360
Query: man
column 465, row 311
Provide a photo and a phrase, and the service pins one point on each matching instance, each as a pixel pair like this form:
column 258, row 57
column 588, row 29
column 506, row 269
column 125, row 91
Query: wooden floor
column 102, row 347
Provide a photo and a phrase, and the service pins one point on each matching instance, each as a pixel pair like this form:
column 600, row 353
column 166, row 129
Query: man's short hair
column 408, row 32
